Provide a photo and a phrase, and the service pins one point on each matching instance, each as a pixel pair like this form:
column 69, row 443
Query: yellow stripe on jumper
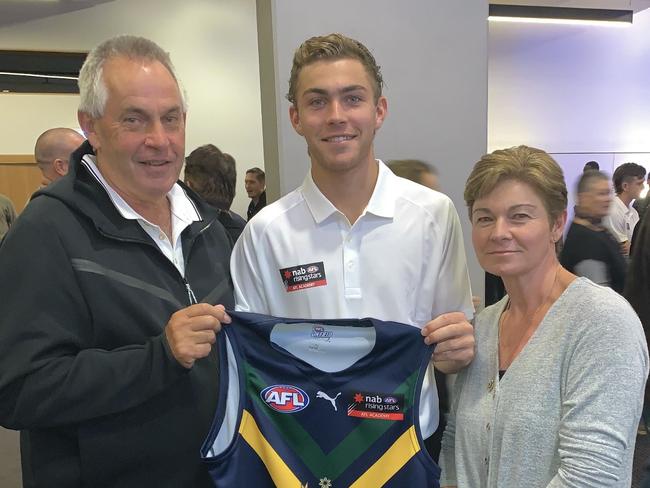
column 391, row 462
column 277, row 468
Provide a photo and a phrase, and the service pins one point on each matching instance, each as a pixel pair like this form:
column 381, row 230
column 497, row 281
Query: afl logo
column 390, row 400
column 312, row 269
column 285, row 398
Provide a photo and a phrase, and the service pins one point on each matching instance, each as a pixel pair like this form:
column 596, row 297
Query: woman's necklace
column 508, row 349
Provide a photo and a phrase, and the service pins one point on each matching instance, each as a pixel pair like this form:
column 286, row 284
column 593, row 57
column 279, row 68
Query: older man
column 52, row 152
column 105, row 354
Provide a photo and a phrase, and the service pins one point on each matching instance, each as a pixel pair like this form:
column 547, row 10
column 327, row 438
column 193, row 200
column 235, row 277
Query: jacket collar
column 80, row 190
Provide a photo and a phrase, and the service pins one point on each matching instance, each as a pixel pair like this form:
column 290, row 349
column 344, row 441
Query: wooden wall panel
column 19, row 178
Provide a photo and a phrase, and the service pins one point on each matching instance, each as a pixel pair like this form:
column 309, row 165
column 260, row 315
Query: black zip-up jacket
column 85, row 370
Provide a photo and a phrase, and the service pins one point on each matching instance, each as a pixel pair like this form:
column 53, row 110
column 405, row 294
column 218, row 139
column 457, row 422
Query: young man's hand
column 454, row 339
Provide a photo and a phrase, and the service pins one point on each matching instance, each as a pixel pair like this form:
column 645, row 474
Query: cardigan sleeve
column 602, row 398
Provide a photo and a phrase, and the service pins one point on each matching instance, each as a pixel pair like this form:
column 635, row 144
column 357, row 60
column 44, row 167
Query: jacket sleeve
column 50, row 373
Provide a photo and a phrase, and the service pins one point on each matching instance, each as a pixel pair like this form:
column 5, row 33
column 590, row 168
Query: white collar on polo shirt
column 382, row 201
column 181, row 205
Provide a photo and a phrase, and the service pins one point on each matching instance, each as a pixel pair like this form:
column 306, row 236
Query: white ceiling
column 17, row 11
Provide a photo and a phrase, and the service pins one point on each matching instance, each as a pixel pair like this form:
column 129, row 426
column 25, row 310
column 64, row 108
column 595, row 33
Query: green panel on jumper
column 348, row 450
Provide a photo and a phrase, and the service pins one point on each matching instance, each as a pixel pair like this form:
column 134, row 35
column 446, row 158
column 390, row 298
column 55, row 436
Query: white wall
column 570, row 88
column 26, row 115
column 213, row 45
column 433, row 57
column 579, row 92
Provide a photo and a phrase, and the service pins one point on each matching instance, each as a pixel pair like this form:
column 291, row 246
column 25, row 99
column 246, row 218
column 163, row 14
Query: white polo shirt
column 621, row 220
column 403, row 260
column 183, row 211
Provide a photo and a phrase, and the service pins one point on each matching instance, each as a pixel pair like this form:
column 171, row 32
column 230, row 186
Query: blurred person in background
column 255, row 182
column 590, row 250
column 213, row 175
column 641, row 204
column 415, row 170
column 622, row 219
column 7, row 215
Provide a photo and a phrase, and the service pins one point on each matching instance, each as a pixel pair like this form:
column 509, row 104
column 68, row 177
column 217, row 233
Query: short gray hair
column 92, row 89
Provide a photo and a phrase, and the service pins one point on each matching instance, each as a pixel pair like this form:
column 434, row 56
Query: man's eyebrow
column 174, row 110
column 134, row 110
column 144, row 113
column 346, row 89
column 316, row 91
column 353, row 88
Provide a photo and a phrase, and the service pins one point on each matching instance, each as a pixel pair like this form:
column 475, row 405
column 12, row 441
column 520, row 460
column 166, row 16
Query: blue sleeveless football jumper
column 319, row 404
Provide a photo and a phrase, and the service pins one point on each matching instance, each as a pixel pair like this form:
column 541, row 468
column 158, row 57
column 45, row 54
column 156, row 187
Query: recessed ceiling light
column 559, row 15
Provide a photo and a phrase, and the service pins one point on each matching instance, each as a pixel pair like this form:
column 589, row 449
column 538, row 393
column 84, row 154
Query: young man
column 255, row 183
column 374, row 245
column 105, row 354
column 628, row 183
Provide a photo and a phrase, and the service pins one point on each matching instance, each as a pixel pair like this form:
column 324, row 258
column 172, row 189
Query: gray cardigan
column 566, row 412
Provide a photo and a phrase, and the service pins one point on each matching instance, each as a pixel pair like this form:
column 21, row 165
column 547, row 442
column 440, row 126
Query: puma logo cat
column 325, row 396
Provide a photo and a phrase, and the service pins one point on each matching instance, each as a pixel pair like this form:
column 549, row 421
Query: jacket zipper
column 190, row 293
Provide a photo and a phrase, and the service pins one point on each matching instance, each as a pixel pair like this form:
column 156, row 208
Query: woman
column 553, row 396
column 589, row 249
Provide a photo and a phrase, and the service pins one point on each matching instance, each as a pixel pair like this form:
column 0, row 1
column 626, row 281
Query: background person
column 415, row 170
column 554, row 394
column 622, row 219
column 213, row 175
column 106, row 364
column 7, row 215
column 589, row 249
column 52, row 152
column 255, row 182
column 641, row 204
column 637, row 292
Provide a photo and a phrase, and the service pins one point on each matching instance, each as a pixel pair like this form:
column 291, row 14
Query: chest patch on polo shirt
column 303, row 276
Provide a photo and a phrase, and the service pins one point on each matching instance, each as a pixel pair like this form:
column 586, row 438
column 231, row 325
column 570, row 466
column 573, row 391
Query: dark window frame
column 40, row 71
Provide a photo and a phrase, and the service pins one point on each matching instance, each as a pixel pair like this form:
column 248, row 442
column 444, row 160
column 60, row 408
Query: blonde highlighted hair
column 522, row 163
